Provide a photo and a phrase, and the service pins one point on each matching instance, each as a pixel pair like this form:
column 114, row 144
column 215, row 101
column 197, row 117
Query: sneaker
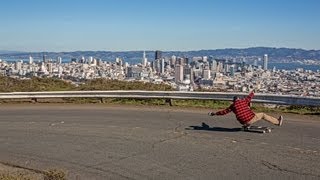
column 205, row 126
column 246, row 126
column 280, row 120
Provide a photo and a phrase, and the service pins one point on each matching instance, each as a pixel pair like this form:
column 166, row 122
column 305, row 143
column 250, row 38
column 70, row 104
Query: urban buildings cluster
column 182, row 73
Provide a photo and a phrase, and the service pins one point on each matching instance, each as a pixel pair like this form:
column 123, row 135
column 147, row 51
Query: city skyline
column 181, row 73
column 58, row 26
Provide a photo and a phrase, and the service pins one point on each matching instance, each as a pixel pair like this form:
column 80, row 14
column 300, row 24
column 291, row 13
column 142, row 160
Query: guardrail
column 259, row 98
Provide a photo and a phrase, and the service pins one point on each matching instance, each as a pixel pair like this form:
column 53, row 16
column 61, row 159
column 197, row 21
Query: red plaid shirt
column 241, row 108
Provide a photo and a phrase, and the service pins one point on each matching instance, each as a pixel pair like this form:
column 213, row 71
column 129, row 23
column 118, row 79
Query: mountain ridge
column 274, row 53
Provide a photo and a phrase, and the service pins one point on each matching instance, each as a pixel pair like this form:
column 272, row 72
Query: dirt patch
column 13, row 172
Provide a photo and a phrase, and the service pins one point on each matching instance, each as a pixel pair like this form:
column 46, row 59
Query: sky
column 125, row 25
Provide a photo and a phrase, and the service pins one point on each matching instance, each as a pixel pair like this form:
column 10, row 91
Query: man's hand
column 211, row 113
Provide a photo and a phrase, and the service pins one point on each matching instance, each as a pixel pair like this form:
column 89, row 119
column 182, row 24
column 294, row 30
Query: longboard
column 257, row 129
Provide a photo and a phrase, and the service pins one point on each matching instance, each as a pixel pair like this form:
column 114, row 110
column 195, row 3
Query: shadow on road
column 205, row 127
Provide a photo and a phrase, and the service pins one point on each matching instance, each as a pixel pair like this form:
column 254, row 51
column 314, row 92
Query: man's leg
column 264, row 116
column 257, row 117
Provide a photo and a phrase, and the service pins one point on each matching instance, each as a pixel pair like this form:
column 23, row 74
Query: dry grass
column 13, row 172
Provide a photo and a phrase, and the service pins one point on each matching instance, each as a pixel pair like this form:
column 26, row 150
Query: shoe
column 205, row 126
column 280, row 121
column 246, row 126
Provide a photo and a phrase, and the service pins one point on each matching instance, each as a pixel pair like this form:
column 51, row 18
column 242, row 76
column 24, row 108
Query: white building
column 30, row 60
column 144, row 59
column 207, row 74
column 265, row 62
column 18, row 65
column 59, row 60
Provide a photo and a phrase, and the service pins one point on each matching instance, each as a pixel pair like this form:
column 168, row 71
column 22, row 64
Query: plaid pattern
column 241, row 109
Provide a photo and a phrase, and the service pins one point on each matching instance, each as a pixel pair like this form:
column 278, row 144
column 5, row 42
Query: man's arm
column 223, row 112
column 250, row 96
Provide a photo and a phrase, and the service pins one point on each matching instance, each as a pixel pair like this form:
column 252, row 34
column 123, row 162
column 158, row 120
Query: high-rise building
column 214, row 66
column 178, row 73
column 188, row 72
column 90, row 60
column 232, row 69
column 158, row 55
column 59, row 60
column 82, row 60
column 181, row 61
column 18, row 65
column 99, row 62
column 50, row 68
column 119, row 61
column 205, row 58
column 144, row 59
column 134, row 72
column 162, row 65
column 255, row 63
column 30, row 60
column 44, row 58
column 94, row 62
column 206, row 74
column 173, row 60
column 265, row 62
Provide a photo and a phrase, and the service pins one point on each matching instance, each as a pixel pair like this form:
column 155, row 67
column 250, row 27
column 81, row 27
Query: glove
column 211, row 113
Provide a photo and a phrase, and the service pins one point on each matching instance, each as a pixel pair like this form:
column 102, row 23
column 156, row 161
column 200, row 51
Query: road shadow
column 205, row 127
column 315, row 113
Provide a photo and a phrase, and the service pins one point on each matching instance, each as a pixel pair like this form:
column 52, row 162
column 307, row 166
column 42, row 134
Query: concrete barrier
column 259, row 98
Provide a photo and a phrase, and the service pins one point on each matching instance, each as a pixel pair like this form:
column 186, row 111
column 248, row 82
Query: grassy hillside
column 104, row 84
column 8, row 84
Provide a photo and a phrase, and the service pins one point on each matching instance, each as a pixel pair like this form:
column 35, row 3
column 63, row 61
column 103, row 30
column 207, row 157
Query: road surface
column 102, row 142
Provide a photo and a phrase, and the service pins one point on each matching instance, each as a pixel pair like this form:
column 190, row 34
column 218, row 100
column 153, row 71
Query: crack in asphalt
column 175, row 130
column 278, row 168
column 22, row 167
column 40, row 158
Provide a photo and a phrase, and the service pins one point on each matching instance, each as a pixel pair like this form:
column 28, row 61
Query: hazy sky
column 68, row 25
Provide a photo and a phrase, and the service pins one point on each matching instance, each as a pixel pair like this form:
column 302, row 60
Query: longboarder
column 244, row 114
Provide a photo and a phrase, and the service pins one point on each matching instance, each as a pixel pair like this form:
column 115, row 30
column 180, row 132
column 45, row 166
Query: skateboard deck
column 257, row 129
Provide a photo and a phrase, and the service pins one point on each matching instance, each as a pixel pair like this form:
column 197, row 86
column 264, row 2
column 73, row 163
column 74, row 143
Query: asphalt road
column 101, row 142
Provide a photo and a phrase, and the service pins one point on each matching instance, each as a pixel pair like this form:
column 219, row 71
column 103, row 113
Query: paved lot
column 101, row 142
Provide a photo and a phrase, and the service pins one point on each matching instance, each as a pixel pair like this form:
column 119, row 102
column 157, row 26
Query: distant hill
column 8, row 52
column 274, row 54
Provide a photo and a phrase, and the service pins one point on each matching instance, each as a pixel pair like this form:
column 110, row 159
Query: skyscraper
column 173, row 60
column 44, row 58
column 90, row 60
column 59, row 60
column 18, row 65
column 144, row 59
column 255, row 63
column 50, row 68
column 188, row 72
column 265, row 62
column 82, row 60
column 178, row 73
column 214, row 66
column 162, row 64
column 30, row 60
column 232, row 69
column 206, row 74
column 158, row 55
